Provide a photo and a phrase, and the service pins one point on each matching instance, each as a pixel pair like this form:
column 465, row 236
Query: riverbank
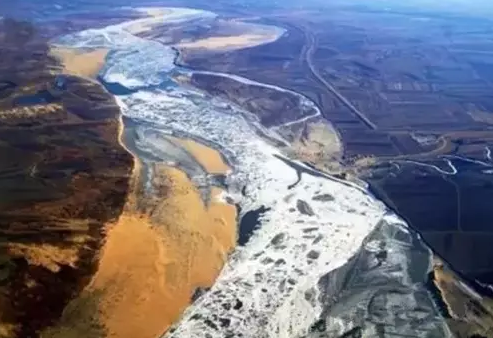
column 164, row 247
column 312, row 223
column 63, row 177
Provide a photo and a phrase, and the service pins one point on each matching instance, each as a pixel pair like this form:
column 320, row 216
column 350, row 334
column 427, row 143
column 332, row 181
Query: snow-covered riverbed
column 271, row 286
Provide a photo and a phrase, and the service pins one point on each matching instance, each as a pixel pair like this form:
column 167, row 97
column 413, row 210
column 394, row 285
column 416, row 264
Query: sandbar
column 152, row 263
column 209, row 158
column 75, row 62
column 229, row 43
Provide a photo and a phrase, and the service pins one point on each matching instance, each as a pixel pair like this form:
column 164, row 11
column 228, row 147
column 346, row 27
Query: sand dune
column 84, row 64
column 129, row 290
column 152, row 263
column 463, row 304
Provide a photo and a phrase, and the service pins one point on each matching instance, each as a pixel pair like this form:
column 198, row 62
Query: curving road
column 312, row 46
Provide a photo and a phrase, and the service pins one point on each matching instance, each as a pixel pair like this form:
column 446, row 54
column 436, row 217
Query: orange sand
column 135, row 295
column 209, row 158
column 150, row 265
column 80, row 64
column 53, row 256
column 184, row 210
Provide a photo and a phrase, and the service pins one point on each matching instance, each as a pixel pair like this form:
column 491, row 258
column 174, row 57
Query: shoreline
column 306, row 214
column 157, row 228
column 137, row 167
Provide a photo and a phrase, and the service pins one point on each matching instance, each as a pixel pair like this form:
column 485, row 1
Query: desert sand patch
column 52, row 256
column 84, row 64
column 209, row 158
column 152, row 263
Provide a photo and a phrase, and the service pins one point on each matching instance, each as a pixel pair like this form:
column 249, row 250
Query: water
column 248, row 223
column 41, row 97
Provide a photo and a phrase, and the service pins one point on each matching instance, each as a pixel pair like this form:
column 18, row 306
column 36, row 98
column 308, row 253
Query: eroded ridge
column 64, row 177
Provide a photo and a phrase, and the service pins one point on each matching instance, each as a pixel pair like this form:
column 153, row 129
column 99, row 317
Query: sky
column 480, row 8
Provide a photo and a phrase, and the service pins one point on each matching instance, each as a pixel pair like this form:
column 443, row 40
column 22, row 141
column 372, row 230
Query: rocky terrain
column 63, row 176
